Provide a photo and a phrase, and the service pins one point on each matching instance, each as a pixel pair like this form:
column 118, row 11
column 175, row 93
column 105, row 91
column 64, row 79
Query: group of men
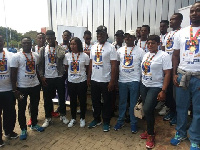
column 24, row 73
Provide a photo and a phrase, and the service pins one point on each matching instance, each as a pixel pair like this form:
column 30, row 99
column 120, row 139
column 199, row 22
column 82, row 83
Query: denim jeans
column 149, row 100
column 183, row 97
column 133, row 88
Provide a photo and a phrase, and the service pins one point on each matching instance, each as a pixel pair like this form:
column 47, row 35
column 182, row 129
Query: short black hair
column 26, row 37
column 50, row 32
column 154, row 38
column 165, row 21
column 180, row 16
column 40, row 33
column 87, row 32
column 147, row 26
column 67, row 32
column 79, row 44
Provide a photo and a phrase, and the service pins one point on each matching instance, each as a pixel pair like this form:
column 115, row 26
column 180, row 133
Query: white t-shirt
column 189, row 60
column 65, row 47
column 130, row 71
column 143, row 45
column 169, row 46
column 25, row 76
column 162, row 39
column 78, row 75
column 117, row 46
column 5, row 82
column 50, row 66
column 36, row 49
column 154, row 75
column 86, row 47
column 101, row 67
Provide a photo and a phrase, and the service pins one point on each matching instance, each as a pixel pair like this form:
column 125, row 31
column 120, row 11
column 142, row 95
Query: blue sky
column 24, row 15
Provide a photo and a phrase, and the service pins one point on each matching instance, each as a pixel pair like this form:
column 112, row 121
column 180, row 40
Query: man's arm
column 14, row 82
column 175, row 63
column 89, row 72
column 113, row 75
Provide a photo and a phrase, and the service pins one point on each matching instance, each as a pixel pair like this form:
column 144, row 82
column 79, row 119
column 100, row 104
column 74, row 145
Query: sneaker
column 134, row 128
column 194, row 146
column 150, row 143
column 12, row 135
column 177, row 139
column 93, row 124
column 118, row 126
column 106, row 127
column 144, row 135
column 1, row 143
column 64, row 119
column 173, row 121
column 82, row 123
column 55, row 114
column 71, row 123
column 169, row 116
column 159, row 105
column 29, row 123
column 23, row 135
column 47, row 122
column 37, row 128
column 163, row 111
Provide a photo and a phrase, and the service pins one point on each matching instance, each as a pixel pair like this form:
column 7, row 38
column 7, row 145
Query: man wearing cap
column 129, row 59
column 102, row 70
column 144, row 34
column 119, row 39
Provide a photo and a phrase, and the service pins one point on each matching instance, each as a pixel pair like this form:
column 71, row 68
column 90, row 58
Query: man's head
column 87, row 36
column 26, row 44
column 66, row 35
column 138, row 32
column 40, row 39
column 50, row 37
column 119, row 37
column 130, row 38
column 1, row 43
column 176, row 20
column 164, row 25
column 195, row 14
column 145, row 30
column 102, row 35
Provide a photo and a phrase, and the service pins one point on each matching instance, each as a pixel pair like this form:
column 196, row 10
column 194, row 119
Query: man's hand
column 161, row 96
column 43, row 79
column 175, row 80
column 18, row 95
column 111, row 86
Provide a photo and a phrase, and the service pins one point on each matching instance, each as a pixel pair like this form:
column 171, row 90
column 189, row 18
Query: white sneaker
column 71, row 123
column 47, row 122
column 163, row 111
column 64, row 119
column 159, row 105
column 82, row 123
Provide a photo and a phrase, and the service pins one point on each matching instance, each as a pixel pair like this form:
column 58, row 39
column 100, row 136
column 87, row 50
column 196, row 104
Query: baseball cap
column 119, row 32
column 101, row 29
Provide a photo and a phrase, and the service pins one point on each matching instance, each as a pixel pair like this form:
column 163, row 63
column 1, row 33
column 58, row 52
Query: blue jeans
column 149, row 100
column 183, row 97
column 133, row 88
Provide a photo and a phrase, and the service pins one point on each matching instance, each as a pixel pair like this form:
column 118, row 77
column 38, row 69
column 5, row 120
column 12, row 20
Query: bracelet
column 163, row 91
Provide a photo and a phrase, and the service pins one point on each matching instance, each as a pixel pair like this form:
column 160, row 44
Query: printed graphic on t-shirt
column 75, row 69
column 146, row 69
column 98, row 58
column 128, row 64
column 30, row 67
column 3, row 67
column 170, row 43
column 193, row 48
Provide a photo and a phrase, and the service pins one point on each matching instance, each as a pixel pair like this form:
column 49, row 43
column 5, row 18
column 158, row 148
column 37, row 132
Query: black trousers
column 7, row 105
column 80, row 90
column 34, row 94
column 98, row 88
column 52, row 85
column 170, row 101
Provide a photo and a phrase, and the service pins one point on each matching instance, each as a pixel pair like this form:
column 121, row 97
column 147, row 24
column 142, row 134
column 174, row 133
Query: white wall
column 114, row 14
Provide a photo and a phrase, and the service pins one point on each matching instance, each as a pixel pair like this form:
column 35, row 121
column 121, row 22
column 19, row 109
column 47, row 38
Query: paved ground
column 59, row 137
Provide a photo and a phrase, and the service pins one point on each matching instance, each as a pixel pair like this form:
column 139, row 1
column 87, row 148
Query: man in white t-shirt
column 129, row 61
column 51, row 72
column 186, row 76
column 67, row 35
column 7, row 100
column 119, row 39
column 170, row 109
column 164, row 25
column 144, row 33
column 102, row 71
column 87, row 45
column 25, row 83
